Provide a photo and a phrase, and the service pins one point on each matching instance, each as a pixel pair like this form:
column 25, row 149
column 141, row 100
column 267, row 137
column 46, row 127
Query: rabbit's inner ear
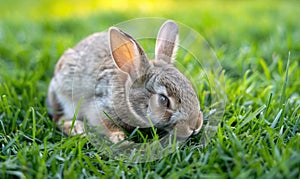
column 127, row 54
column 166, row 43
column 123, row 50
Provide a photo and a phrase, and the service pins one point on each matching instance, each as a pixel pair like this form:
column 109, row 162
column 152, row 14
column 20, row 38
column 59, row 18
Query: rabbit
column 109, row 79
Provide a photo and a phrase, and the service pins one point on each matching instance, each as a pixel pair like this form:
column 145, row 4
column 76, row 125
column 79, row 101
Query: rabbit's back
column 84, row 73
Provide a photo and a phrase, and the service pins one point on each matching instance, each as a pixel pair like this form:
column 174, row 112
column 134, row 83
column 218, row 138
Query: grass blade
column 253, row 115
column 276, row 119
column 33, row 124
column 282, row 98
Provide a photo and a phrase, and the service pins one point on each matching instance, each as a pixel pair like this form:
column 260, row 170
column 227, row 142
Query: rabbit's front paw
column 77, row 129
column 117, row 136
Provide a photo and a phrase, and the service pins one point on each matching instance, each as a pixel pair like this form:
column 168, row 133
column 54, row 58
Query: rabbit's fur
column 109, row 72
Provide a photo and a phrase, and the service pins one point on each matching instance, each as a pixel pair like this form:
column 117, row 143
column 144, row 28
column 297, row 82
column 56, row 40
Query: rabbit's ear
column 127, row 54
column 166, row 43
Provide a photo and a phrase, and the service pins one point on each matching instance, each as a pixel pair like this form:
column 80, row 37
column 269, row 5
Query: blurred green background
column 227, row 25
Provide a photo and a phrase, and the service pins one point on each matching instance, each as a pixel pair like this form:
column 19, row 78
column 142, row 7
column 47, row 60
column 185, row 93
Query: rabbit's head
column 156, row 93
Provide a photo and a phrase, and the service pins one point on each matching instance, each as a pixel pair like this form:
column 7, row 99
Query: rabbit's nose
column 198, row 124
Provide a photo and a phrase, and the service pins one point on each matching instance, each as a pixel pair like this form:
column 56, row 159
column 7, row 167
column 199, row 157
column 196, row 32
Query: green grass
column 258, row 45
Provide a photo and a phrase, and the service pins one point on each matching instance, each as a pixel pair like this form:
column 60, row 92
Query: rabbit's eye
column 163, row 101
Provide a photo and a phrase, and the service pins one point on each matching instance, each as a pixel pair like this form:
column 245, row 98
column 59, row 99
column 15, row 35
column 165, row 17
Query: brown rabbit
column 109, row 72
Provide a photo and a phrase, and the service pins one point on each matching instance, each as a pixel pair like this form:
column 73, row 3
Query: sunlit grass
column 77, row 8
column 57, row 9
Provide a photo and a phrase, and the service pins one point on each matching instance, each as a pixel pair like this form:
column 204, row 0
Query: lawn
column 256, row 43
